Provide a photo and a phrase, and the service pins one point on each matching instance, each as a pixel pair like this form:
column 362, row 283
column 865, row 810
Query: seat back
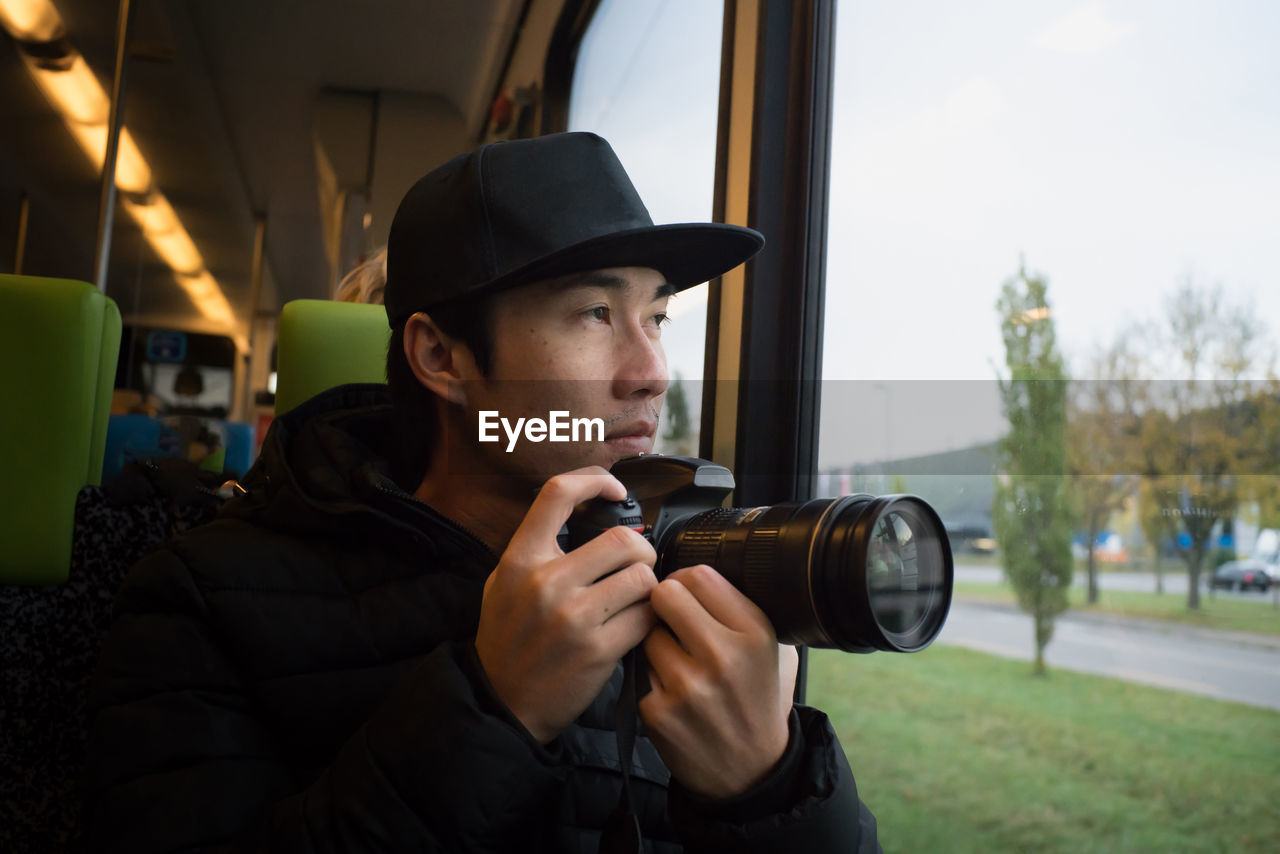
column 59, row 343
column 322, row 344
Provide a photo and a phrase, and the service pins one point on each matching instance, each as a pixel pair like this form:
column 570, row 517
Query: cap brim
column 686, row 254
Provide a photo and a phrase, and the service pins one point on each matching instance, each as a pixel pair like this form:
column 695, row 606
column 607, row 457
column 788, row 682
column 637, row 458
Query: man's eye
column 661, row 320
column 600, row 312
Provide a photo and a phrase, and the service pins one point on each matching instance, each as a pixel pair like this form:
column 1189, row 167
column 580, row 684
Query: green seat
column 59, row 342
column 322, row 344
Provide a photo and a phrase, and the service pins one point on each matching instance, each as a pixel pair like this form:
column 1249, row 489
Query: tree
column 1200, row 432
column 1130, row 394
column 1031, row 512
column 679, row 433
column 1101, row 430
column 1262, row 486
column 1156, row 527
column 1261, row 451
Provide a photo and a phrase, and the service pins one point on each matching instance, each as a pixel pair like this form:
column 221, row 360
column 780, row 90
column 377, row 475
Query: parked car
column 1237, row 576
column 1258, row 571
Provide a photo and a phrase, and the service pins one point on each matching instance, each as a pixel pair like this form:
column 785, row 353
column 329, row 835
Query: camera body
column 857, row 573
column 661, row 491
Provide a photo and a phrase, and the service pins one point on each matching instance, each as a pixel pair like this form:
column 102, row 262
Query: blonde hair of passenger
column 366, row 282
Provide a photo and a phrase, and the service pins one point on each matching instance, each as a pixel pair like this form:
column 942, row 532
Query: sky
column 1117, row 148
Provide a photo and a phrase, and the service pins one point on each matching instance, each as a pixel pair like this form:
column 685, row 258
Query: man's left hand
column 721, row 684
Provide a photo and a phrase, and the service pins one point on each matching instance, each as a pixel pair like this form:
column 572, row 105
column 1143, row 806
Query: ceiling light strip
column 74, row 91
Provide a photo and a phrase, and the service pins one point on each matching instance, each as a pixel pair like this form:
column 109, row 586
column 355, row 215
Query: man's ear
column 439, row 361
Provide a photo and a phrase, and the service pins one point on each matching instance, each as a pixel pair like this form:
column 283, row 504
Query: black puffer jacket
column 299, row 675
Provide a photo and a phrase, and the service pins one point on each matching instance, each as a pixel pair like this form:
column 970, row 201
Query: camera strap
column 621, row 832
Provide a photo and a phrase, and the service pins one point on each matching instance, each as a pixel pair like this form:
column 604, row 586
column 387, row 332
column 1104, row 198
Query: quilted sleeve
column 810, row 804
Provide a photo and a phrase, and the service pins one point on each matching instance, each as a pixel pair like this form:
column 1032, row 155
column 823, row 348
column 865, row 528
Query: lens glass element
column 905, row 569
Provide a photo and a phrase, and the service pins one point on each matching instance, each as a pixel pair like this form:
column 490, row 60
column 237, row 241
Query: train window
column 647, row 79
column 163, row 372
column 1051, row 191
column 1075, row 142
column 201, row 388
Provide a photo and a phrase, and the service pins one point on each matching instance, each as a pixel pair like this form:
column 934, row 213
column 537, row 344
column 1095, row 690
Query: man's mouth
column 632, row 438
column 633, row 430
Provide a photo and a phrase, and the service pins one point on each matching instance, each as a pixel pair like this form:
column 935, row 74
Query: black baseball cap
column 515, row 212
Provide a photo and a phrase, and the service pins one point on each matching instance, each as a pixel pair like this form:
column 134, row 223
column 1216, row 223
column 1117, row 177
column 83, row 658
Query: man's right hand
column 552, row 628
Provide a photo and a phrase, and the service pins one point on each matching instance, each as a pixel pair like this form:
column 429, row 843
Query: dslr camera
column 856, row 573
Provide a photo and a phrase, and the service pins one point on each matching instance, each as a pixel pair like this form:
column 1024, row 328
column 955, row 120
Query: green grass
column 1257, row 615
column 958, row 751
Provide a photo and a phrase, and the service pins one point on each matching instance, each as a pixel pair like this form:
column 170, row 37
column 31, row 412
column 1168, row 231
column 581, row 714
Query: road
column 1145, row 582
column 1224, row 665
column 1140, row 581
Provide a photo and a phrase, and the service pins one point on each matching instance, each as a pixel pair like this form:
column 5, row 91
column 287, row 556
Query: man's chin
column 628, row 446
column 548, row 460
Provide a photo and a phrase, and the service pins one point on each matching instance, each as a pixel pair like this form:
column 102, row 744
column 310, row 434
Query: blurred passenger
column 366, row 281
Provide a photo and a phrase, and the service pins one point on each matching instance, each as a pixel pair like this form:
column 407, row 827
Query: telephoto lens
column 858, row 573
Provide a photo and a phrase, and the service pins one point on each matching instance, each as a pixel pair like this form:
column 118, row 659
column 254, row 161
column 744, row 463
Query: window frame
column 777, row 77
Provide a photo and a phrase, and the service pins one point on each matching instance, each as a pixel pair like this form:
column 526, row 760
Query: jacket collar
column 328, row 467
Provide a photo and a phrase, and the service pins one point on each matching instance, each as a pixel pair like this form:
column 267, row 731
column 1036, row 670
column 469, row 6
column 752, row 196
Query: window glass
column 1077, row 142
column 1121, row 156
column 647, row 80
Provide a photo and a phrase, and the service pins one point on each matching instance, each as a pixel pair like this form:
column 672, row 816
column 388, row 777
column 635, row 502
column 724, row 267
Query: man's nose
column 642, row 366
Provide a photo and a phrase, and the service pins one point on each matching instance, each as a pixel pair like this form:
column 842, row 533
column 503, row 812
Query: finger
column 670, row 677
column 676, row 606
column 608, row 597
column 618, row 546
column 554, row 503
column 667, row 658
column 788, row 669
column 626, row 629
column 655, row 678
column 728, row 605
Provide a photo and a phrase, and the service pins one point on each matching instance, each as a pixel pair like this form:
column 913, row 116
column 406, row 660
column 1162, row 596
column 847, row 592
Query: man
column 382, row 647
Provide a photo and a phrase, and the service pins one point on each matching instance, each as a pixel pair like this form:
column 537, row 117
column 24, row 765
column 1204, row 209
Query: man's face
column 589, row 344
